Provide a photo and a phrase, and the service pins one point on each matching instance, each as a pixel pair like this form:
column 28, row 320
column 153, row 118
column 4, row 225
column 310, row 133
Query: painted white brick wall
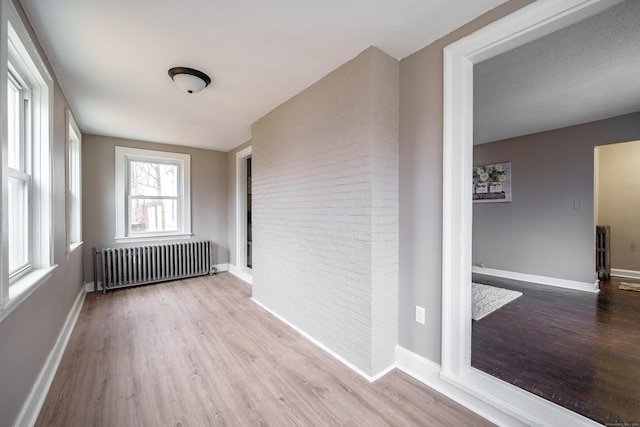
column 325, row 210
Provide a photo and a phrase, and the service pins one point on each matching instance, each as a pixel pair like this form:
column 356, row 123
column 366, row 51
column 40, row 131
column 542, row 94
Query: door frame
column 527, row 24
column 241, row 211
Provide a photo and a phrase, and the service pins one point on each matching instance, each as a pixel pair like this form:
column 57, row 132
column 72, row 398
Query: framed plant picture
column 492, row 183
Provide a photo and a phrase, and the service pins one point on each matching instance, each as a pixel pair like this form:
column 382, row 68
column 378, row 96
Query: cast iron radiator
column 603, row 255
column 140, row 265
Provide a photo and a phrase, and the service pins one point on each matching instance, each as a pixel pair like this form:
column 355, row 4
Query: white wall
column 324, row 168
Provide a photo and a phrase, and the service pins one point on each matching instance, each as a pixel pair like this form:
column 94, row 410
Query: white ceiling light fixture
column 189, row 79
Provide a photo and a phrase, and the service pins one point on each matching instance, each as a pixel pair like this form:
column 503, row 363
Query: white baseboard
column 370, row 378
column 241, row 273
column 31, row 407
column 221, row 267
column 543, row 280
column 499, row 402
column 630, row 274
column 428, row 372
column 90, row 287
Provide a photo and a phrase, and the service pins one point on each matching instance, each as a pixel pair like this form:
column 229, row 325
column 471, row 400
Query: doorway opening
column 248, row 214
column 527, row 24
column 244, row 235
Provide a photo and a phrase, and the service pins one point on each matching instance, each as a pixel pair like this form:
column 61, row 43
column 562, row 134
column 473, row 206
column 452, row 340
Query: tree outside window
column 153, row 197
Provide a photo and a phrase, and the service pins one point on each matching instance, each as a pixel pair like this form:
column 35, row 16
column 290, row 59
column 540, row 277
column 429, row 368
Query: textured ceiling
column 585, row 72
column 111, row 56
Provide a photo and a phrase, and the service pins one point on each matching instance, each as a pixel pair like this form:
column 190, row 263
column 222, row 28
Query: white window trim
column 72, row 246
column 184, row 188
column 13, row 293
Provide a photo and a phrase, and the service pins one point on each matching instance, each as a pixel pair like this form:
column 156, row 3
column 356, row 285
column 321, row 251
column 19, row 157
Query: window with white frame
column 74, row 184
column 152, row 195
column 19, row 171
column 26, row 198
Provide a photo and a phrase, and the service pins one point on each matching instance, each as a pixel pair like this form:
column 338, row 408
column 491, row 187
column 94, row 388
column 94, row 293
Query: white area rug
column 626, row 286
column 487, row 299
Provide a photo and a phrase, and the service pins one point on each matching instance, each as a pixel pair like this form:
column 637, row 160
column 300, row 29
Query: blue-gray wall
column 548, row 228
column 420, row 191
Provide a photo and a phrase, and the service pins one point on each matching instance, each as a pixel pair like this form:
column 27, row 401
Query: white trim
column 370, row 378
column 242, row 273
column 184, row 192
column 90, row 286
column 629, row 274
column 4, row 164
column 74, row 247
column 241, row 207
column 23, row 288
column 498, row 408
column 39, row 79
column 33, row 404
column 72, row 126
column 152, row 238
column 542, row 280
column 519, row 404
column 428, row 373
column 529, row 23
column 219, row 268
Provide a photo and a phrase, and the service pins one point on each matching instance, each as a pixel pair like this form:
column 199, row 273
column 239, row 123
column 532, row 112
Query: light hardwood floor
column 199, row 352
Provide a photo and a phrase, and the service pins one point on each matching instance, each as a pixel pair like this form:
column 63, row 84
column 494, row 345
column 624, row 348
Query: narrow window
column 26, row 214
column 19, row 172
column 74, row 190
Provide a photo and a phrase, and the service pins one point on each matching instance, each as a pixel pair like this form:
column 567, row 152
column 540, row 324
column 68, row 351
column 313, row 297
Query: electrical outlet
column 420, row 314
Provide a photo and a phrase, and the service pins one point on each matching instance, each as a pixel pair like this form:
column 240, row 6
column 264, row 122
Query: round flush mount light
column 189, row 79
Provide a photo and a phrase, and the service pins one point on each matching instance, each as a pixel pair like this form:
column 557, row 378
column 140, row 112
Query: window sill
column 156, row 238
column 74, row 247
column 25, row 286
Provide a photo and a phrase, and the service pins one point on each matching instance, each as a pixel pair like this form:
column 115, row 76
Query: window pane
column 13, row 125
column 153, row 179
column 18, row 224
column 74, row 188
column 153, row 215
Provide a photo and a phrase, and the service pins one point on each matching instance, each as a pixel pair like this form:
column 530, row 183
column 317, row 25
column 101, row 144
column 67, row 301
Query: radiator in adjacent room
column 140, row 265
column 603, row 255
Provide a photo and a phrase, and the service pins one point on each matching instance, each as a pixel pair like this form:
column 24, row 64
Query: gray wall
column 540, row 232
column 325, row 210
column 28, row 334
column 208, row 195
column 420, row 281
column 619, row 201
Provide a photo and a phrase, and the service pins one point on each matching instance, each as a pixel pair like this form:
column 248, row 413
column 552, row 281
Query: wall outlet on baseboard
column 420, row 314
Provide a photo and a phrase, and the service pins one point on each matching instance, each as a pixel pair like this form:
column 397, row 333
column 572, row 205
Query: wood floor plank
column 199, row 352
column 575, row 349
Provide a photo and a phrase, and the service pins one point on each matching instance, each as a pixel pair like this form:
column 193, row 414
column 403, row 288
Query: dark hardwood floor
column 579, row 350
column 199, row 352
